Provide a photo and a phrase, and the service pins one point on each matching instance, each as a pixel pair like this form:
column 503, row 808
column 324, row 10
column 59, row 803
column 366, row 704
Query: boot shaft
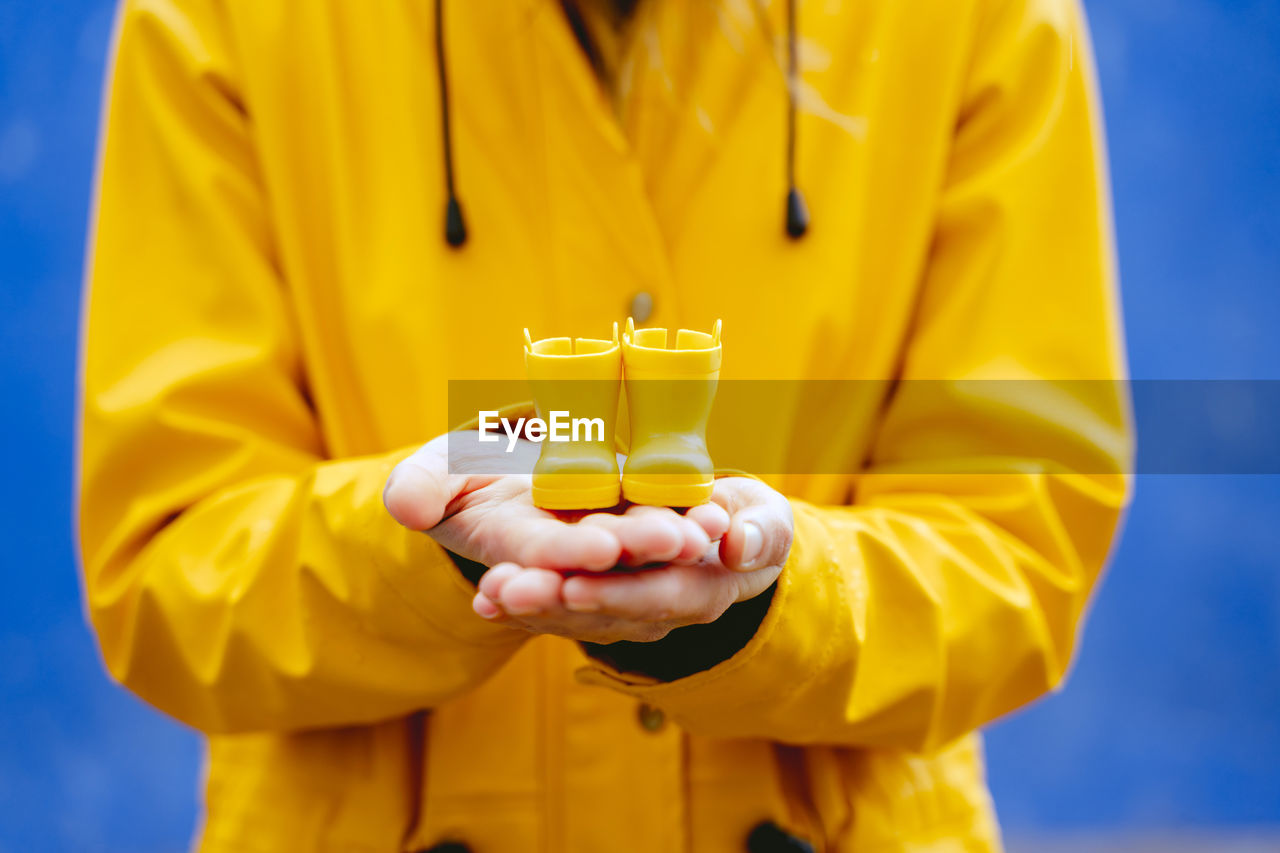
column 575, row 384
column 580, row 376
column 670, row 391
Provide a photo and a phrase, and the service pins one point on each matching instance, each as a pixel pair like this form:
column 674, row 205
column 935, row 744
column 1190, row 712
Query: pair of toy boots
column 576, row 385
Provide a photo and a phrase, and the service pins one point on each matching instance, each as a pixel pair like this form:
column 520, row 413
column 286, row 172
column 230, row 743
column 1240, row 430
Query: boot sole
column 659, row 493
column 595, row 497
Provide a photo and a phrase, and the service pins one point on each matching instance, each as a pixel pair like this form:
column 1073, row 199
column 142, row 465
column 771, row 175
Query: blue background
column 1172, row 719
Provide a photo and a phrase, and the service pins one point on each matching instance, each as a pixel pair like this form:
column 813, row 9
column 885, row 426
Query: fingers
column 492, row 581
column 696, row 541
column 531, row 591
column 674, row 594
column 486, row 609
column 541, row 540
column 753, row 522
column 489, row 590
column 679, row 594
column 644, row 536
column 599, row 541
column 510, row 590
column 637, row 606
column 712, row 518
column 650, row 534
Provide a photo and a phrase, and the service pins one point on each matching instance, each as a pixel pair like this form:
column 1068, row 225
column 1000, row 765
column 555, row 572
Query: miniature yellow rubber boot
column 669, row 394
column 575, row 384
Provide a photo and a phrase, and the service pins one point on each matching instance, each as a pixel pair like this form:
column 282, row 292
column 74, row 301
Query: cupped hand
column 646, row 604
column 453, row 489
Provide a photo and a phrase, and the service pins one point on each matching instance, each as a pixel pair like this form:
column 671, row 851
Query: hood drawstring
column 455, row 224
column 797, row 210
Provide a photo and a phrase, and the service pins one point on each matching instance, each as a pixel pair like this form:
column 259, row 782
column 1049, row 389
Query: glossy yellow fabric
column 273, row 318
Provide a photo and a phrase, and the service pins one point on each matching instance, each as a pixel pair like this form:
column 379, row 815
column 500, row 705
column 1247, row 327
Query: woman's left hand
column 646, row 604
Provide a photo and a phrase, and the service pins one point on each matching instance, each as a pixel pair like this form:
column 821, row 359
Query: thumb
column 759, row 535
column 420, row 488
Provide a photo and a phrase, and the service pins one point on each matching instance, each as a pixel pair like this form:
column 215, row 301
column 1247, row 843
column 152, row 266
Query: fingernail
column 752, row 543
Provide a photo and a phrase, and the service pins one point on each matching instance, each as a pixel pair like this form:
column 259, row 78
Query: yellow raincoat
column 273, row 317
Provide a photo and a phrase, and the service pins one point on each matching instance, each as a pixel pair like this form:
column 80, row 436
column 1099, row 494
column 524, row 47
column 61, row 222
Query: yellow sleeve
column 951, row 589
column 236, row 579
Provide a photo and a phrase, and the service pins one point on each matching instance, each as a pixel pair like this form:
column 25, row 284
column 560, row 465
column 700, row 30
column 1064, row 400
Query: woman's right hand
column 454, row 496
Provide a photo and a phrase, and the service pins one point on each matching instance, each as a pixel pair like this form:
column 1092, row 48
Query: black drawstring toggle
column 797, row 214
column 455, row 226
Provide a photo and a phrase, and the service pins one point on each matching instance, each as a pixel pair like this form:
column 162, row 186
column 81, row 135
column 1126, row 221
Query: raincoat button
column 768, row 837
column 651, row 719
column 642, row 306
